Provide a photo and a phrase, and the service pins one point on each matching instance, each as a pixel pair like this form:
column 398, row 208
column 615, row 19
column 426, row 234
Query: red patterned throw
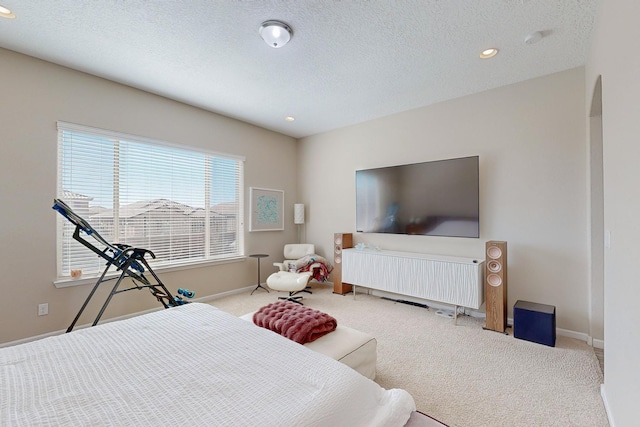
column 294, row 321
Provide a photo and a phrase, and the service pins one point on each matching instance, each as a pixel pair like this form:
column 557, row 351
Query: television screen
column 439, row 198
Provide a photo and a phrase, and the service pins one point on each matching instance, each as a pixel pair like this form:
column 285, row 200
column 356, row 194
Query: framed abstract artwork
column 266, row 210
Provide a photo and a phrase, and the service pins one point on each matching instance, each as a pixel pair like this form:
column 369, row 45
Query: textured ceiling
column 348, row 61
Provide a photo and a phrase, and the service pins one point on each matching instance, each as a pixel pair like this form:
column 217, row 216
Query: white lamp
column 298, row 217
column 275, row 33
column 298, row 213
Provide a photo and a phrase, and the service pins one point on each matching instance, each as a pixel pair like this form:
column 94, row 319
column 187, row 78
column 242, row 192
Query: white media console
column 451, row 280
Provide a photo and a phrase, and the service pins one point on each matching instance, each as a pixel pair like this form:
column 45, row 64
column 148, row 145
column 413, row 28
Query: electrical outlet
column 43, row 309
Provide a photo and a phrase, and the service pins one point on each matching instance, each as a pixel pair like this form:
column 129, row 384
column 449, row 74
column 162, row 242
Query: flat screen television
column 438, row 198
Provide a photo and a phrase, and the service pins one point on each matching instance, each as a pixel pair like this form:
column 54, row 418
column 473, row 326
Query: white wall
column 530, row 138
column 614, row 58
column 596, row 228
column 35, row 94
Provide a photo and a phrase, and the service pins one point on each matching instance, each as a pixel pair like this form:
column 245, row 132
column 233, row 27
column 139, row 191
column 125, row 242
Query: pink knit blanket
column 294, row 321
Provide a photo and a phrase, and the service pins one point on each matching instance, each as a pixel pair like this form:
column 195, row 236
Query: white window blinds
column 183, row 205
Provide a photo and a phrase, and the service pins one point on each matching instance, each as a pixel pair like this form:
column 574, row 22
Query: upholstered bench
column 354, row 348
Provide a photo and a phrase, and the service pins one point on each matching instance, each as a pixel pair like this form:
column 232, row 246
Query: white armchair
column 292, row 253
column 301, row 257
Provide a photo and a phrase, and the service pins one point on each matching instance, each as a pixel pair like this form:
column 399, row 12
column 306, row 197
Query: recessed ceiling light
column 6, row 13
column 290, row 118
column 488, row 53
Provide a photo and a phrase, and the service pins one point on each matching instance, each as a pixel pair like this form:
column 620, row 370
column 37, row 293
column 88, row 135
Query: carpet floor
column 461, row 374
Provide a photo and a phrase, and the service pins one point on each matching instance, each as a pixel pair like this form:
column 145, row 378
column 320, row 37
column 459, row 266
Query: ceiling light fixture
column 534, row 37
column 290, row 118
column 6, row 13
column 488, row 53
column 275, row 33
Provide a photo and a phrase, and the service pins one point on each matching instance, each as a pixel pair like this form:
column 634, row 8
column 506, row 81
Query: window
column 186, row 206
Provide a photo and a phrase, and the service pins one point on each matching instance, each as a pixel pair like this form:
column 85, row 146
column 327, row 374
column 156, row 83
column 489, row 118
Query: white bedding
column 188, row 365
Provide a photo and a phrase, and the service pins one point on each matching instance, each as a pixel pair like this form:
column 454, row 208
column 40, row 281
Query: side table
column 258, row 256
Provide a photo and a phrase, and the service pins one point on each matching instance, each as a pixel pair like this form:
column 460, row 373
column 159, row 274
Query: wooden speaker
column 495, row 285
column 340, row 241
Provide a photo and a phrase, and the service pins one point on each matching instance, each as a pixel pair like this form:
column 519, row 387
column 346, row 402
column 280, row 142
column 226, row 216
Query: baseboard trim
column 607, row 409
column 481, row 315
column 33, row 338
column 125, row 316
column 224, row 294
column 87, row 325
column 469, row 312
column 573, row 334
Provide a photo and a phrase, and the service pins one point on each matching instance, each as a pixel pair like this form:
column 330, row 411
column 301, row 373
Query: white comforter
column 192, row 365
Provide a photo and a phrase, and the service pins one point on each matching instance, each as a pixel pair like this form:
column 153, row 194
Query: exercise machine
column 130, row 261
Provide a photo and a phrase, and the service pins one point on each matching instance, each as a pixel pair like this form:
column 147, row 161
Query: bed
column 188, row 365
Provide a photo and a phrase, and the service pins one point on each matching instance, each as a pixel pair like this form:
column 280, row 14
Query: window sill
column 85, row 280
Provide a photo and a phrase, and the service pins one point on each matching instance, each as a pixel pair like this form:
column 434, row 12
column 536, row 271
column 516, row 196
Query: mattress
column 188, row 365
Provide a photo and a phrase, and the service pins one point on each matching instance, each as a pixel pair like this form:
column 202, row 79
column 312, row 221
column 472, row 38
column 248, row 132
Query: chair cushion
column 294, row 251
